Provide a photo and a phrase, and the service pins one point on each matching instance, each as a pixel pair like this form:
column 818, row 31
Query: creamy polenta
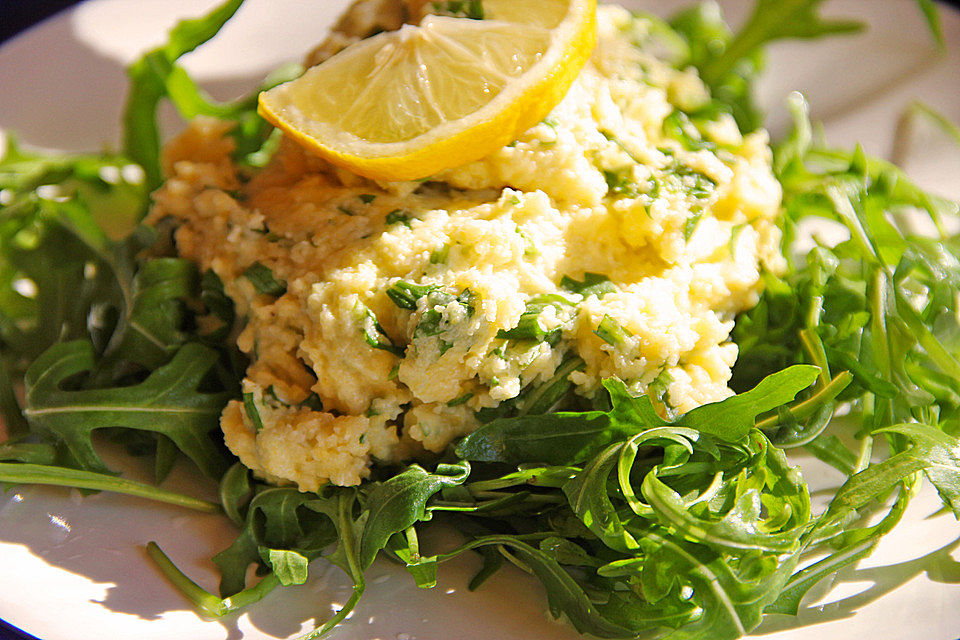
column 618, row 237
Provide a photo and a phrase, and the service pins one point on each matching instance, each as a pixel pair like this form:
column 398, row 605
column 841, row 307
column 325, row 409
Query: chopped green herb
column 406, row 295
column 660, row 387
column 367, row 198
column 611, row 332
column 543, row 398
column 409, row 296
column 456, row 402
column 690, row 225
column 346, row 210
column 373, row 333
column 429, row 324
column 440, row 254
column 313, row 402
column 678, row 126
column 701, row 187
column 398, row 216
column 264, row 281
column 593, row 284
column 620, row 182
column 250, row 407
column 734, row 237
column 614, row 139
column 530, row 248
column 472, row 9
column 529, row 327
column 654, row 185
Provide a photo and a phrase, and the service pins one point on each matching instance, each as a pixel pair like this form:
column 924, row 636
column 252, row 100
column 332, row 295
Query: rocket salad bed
column 689, row 526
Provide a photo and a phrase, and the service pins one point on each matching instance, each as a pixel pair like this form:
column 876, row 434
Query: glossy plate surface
column 74, row 568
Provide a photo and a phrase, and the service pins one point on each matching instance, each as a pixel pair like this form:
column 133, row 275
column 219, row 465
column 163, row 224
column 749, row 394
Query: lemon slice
column 406, row 104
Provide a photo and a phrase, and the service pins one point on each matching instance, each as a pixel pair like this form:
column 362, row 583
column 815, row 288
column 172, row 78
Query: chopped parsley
column 612, row 332
column 250, row 407
column 398, row 216
column 264, row 281
column 620, row 182
column 593, row 284
column 373, row 334
column 472, row 9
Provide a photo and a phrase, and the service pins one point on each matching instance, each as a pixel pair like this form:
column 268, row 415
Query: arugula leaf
column 40, row 453
column 932, row 15
column 152, row 329
column 167, row 402
column 236, row 490
column 556, row 438
column 568, row 437
column 58, row 267
column 396, row 504
column 406, row 547
column 729, row 64
column 156, row 75
column 854, row 305
column 280, row 519
column 48, row 474
column 201, row 598
column 283, row 529
column 589, row 499
column 564, row 595
column 733, row 418
column 745, row 526
column 288, row 566
column 148, row 77
column 933, row 452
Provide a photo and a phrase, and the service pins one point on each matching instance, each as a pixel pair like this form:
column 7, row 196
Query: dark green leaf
column 398, row 503
column 733, row 418
column 263, row 279
column 167, row 402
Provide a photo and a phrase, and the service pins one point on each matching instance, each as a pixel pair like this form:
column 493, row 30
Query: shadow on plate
column 938, row 565
column 96, row 543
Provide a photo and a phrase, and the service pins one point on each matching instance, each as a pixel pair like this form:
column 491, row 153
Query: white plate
column 74, row 568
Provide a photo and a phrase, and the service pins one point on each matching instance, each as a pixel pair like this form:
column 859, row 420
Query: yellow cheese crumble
column 619, row 237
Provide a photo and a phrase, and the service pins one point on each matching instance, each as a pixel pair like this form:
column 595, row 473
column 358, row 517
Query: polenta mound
column 617, row 237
